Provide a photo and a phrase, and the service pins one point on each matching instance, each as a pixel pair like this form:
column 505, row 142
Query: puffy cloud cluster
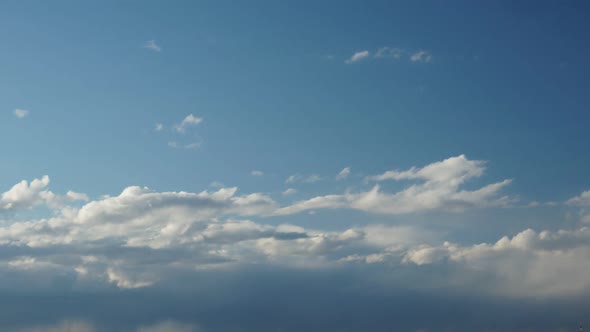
column 141, row 237
column 25, row 195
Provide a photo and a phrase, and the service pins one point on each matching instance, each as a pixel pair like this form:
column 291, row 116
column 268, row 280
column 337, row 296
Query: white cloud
column 193, row 146
column 581, row 200
column 141, row 237
column 289, row 191
column 257, row 173
column 190, row 146
column 528, row 264
column 159, row 127
column 24, row 195
column 440, row 190
column 20, row 113
column 344, row 173
column 421, row 56
column 152, row 45
column 74, row 196
column 357, row 56
column 389, row 52
column 189, row 120
column 301, row 178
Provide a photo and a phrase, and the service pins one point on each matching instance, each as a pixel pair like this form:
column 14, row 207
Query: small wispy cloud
column 189, row 120
column 358, row 56
column 159, row 127
column 216, row 184
column 193, row 146
column 289, row 191
column 190, row 146
column 344, row 173
column 257, row 173
column 152, row 45
column 20, row 113
column 389, row 52
column 421, row 56
column 300, row 178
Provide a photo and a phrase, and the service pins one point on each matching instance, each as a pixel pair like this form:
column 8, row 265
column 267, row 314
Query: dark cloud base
column 289, row 300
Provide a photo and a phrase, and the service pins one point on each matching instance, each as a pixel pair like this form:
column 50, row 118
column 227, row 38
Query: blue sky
column 210, row 135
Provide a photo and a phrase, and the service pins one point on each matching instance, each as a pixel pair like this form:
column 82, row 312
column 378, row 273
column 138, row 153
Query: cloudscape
column 193, row 166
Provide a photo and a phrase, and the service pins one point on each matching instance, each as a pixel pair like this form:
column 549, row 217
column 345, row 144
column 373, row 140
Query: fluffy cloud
column 289, row 191
column 20, row 113
column 152, row 45
column 581, row 200
column 188, row 121
column 144, row 238
column 25, row 195
column 421, row 56
column 358, row 56
column 528, row 264
column 344, row 173
column 439, row 190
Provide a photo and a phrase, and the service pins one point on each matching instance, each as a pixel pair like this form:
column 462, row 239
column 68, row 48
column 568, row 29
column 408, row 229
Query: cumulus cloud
column 358, row 56
column 421, row 56
column 188, row 121
column 24, row 195
column 142, row 237
column 20, row 113
column 581, row 200
column 439, row 190
column 152, row 45
column 344, row 173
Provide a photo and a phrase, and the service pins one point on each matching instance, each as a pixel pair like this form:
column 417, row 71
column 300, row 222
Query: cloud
column 439, row 190
column 301, row 178
column 421, row 56
column 159, row 127
column 344, row 173
column 170, row 326
column 20, row 113
column 528, row 264
column 289, row 191
column 581, row 200
column 24, row 195
column 257, row 173
column 75, row 196
column 85, row 326
column 357, row 56
column 152, row 45
column 389, row 52
column 188, row 121
column 189, row 146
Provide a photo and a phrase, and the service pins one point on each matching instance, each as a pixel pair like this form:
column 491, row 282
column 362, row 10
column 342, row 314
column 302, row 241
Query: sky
column 294, row 166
